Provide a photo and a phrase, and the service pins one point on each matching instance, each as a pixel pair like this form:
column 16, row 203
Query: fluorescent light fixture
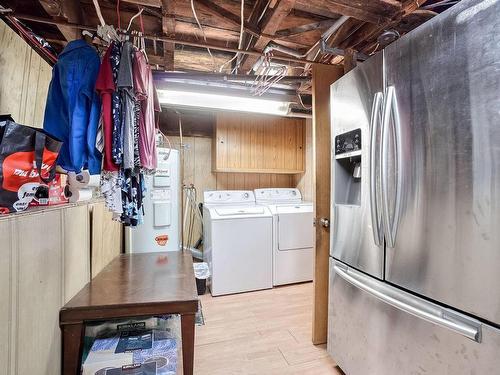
column 222, row 102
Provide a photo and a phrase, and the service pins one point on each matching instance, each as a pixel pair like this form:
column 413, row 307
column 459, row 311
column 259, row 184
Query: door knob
column 324, row 222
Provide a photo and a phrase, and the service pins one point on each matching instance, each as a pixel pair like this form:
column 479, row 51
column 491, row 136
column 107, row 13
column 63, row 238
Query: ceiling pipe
column 273, row 46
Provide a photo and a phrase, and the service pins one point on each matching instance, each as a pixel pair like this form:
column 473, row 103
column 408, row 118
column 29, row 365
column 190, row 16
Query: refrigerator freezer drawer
column 162, row 214
column 373, row 330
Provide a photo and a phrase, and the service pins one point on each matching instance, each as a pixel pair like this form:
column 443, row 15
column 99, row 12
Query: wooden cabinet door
column 258, row 144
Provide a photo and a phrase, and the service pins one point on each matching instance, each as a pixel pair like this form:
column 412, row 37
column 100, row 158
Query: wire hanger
column 139, row 13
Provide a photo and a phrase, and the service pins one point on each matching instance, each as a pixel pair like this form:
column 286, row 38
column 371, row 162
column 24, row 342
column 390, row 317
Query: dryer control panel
column 278, row 195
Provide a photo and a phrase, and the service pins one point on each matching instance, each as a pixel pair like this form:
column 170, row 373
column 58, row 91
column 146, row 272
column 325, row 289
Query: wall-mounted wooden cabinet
column 246, row 143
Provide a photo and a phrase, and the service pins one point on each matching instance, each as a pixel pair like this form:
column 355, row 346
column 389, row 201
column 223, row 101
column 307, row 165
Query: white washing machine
column 237, row 242
column 293, row 234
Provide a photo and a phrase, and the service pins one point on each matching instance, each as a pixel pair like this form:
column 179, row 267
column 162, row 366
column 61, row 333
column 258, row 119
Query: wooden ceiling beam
column 305, row 28
column 369, row 32
column 148, row 3
column 168, row 28
column 69, row 11
column 258, row 11
column 228, row 16
column 270, row 24
column 373, row 11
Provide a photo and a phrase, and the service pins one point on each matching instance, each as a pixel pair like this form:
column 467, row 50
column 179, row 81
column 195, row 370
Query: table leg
column 72, row 337
column 187, row 328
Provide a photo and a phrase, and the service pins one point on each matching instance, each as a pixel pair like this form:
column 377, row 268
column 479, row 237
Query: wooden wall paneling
column 305, row 181
column 265, row 180
column 6, row 296
column 258, row 144
column 25, row 79
column 199, row 155
column 252, row 181
column 106, row 238
column 30, row 83
column 290, row 146
column 76, row 229
column 268, row 145
column 279, row 144
column 39, row 297
column 42, row 88
column 301, row 146
column 189, row 160
column 14, row 53
column 204, row 179
column 220, row 144
column 234, row 143
column 221, row 180
column 323, row 77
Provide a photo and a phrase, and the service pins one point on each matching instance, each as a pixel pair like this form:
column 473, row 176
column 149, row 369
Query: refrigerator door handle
column 399, row 170
column 418, row 307
column 391, row 220
column 384, row 157
column 374, row 122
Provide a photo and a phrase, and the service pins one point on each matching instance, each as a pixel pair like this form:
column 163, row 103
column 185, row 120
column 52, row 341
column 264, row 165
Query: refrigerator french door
column 430, row 197
column 356, row 102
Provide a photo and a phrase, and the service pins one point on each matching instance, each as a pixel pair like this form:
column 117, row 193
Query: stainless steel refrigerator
column 415, row 240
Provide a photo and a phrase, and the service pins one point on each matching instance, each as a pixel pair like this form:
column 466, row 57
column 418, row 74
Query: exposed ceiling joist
column 305, row 28
column 270, row 24
column 168, row 28
column 149, row 3
column 69, row 10
column 369, row 32
column 228, row 16
column 373, row 11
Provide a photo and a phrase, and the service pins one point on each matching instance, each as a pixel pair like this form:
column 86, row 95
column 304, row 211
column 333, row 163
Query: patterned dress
column 117, row 147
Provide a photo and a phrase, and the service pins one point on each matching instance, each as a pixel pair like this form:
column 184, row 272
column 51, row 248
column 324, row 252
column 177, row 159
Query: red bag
column 27, row 158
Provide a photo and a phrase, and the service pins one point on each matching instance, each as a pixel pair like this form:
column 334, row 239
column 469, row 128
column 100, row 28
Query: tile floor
column 266, row 333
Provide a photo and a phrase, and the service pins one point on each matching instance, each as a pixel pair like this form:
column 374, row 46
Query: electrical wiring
column 202, row 32
column 240, row 43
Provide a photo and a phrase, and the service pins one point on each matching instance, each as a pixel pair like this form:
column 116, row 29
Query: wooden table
column 133, row 285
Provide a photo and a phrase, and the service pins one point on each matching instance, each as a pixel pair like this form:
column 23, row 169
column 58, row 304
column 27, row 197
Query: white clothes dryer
column 293, row 234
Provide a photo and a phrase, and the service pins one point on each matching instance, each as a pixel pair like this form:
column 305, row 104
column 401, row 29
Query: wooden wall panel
column 258, row 144
column 76, row 244
column 45, row 261
column 40, row 293
column 305, row 181
column 197, row 169
column 106, row 238
column 323, row 77
column 6, row 299
column 25, row 79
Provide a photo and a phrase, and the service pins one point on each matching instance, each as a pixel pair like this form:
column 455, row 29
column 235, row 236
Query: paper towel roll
column 83, row 179
column 79, row 195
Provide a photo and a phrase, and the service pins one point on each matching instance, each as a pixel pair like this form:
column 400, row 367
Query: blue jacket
column 73, row 107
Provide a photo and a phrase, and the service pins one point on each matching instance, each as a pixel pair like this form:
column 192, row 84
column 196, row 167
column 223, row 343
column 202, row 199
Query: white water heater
column 160, row 230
